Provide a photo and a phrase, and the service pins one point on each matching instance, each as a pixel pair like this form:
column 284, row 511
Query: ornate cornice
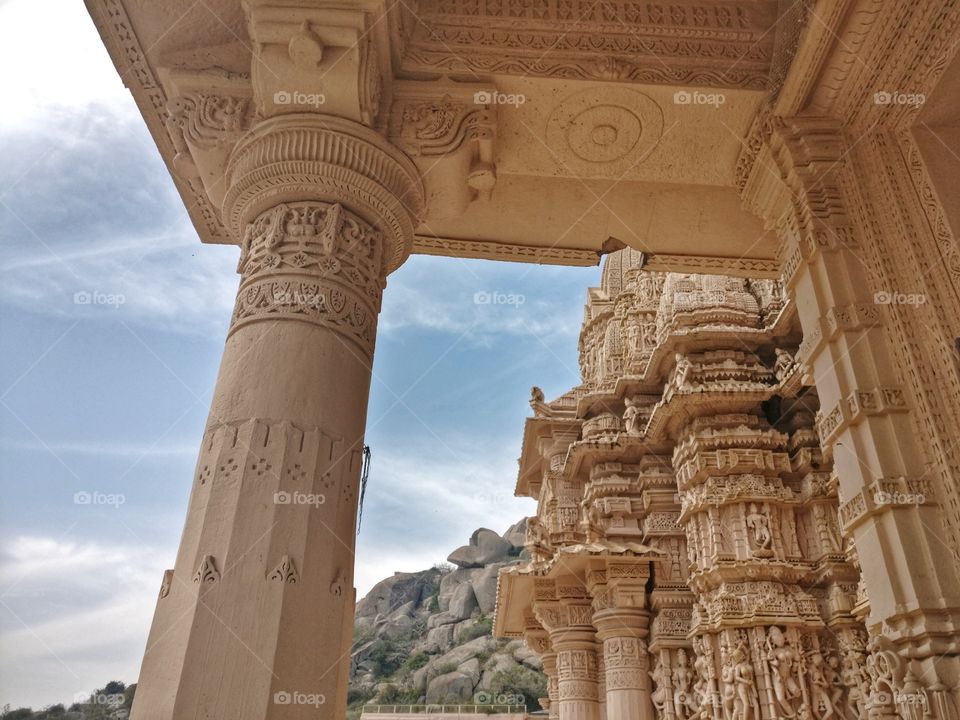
column 679, row 43
column 489, row 250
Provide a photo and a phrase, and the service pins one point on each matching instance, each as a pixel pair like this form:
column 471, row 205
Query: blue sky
column 111, row 397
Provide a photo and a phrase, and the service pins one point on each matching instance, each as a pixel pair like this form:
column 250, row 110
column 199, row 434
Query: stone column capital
column 307, row 157
column 621, row 622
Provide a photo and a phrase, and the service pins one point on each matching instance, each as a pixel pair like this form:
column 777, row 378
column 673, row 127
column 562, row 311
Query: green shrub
column 483, row 625
column 387, row 658
column 415, row 662
column 521, row 681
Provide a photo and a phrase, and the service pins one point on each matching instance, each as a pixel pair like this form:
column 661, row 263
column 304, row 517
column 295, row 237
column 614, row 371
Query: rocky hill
column 425, row 637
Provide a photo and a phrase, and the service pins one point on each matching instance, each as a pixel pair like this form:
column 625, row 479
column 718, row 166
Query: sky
column 105, row 401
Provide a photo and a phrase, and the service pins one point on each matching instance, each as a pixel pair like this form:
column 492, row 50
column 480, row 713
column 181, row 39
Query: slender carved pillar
column 912, row 580
column 626, row 662
column 622, row 619
column 577, row 673
column 553, row 689
column 255, row 619
column 601, row 681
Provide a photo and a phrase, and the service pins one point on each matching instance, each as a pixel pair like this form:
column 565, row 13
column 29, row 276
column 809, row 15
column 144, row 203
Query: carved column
column 621, row 618
column 255, row 619
column 564, row 611
column 888, row 503
column 577, row 673
column 626, row 662
column 553, row 690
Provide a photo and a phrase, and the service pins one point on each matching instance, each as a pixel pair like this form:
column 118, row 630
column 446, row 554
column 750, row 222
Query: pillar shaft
column 626, row 663
column 577, row 674
column 888, row 503
column 255, row 620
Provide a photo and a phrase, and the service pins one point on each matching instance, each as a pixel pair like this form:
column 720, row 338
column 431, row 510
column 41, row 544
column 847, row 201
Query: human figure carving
column 745, row 706
column 683, row 367
column 782, row 659
column 703, row 686
column 683, row 700
column 631, row 417
column 855, row 679
column 835, row 681
column 661, row 677
column 783, row 364
column 728, row 675
column 820, row 689
column 762, row 537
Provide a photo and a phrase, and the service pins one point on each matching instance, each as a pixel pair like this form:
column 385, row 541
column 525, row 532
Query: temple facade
column 687, row 554
column 758, row 482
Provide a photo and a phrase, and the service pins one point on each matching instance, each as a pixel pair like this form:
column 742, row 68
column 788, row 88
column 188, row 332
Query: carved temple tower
column 687, row 555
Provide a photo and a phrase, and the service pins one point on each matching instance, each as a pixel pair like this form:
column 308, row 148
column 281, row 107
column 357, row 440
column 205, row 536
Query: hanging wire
column 364, row 474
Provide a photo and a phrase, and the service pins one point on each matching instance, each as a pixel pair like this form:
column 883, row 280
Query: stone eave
column 584, row 454
column 515, row 584
column 139, row 77
column 530, row 471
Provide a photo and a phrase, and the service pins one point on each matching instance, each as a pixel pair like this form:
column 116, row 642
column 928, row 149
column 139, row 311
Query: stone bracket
column 450, row 131
column 315, row 60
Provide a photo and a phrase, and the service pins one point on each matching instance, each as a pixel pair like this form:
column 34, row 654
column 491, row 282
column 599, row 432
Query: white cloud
column 135, row 451
column 73, row 615
column 77, row 73
column 417, row 512
column 170, row 281
column 481, row 300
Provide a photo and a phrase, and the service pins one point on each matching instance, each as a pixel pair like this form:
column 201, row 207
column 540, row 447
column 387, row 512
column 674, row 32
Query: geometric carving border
column 489, row 250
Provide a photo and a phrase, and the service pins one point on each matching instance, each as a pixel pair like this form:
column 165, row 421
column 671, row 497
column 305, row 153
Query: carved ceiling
column 727, row 44
column 545, row 130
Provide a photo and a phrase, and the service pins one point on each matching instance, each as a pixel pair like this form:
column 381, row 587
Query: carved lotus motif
column 300, row 259
column 329, row 265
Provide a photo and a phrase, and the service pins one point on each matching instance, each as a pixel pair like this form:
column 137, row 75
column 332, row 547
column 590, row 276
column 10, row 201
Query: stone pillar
column 888, row 503
column 626, row 662
column 601, row 681
column 553, row 691
column 255, row 620
column 577, row 673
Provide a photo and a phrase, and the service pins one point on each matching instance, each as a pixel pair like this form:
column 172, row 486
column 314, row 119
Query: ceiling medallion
column 604, row 130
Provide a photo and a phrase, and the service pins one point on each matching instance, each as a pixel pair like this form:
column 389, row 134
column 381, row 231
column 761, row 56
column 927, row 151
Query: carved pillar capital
column 327, row 159
column 314, row 262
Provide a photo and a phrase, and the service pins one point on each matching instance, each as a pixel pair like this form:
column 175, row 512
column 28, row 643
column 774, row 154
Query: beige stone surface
column 805, row 152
